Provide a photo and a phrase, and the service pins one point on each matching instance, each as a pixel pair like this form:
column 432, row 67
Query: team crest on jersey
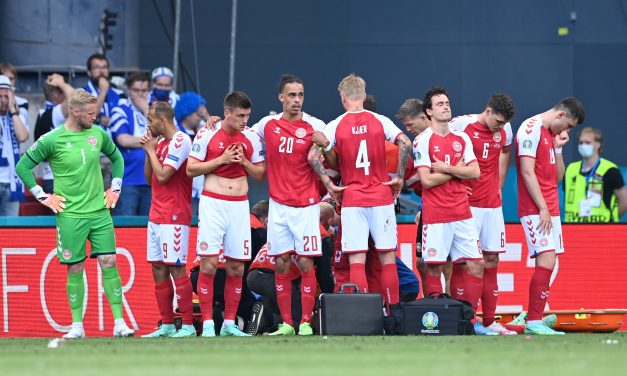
column 497, row 137
column 432, row 252
column 457, row 146
column 527, row 144
column 204, row 246
column 92, row 140
column 67, row 254
column 301, row 133
column 543, row 242
column 196, row 148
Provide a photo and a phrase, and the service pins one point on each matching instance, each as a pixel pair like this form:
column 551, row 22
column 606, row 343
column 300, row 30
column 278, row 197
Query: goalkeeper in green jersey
column 82, row 211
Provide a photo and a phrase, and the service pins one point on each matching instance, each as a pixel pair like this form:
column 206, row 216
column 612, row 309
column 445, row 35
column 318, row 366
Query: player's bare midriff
column 226, row 186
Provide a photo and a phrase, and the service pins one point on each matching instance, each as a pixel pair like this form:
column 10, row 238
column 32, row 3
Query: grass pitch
column 573, row 354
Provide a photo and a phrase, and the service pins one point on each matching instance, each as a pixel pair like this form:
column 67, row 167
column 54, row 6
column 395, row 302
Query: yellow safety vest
column 576, row 189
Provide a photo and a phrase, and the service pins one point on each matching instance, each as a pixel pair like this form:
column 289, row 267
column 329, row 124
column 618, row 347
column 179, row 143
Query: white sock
column 77, row 325
column 119, row 322
column 228, row 322
column 533, row 321
column 207, row 323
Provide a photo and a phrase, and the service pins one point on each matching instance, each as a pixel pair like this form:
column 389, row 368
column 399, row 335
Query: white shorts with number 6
column 292, row 229
column 167, row 243
column 378, row 221
column 223, row 222
column 542, row 243
column 458, row 239
column 490, row 228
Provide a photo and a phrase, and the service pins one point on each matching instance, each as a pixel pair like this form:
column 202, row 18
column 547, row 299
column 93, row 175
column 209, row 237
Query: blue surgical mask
column 586, row 150
column 161, row 94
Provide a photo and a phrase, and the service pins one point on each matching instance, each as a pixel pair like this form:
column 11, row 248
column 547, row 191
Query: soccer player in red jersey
column 356, row 142
column 491, row 135
column 540, row 165
column 444, row 159
column 293, row 218
column 225, row 156
column 167, row 150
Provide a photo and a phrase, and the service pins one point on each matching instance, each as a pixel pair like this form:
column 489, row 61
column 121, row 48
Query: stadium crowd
column 331, row 215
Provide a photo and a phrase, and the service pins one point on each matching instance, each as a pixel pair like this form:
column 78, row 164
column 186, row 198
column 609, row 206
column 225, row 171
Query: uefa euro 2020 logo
column 430, row 320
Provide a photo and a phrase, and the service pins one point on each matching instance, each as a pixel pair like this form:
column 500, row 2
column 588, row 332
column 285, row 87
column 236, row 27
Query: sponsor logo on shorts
column 497, row 137
column 527, row 144
column 543, row 242
column 173, row 157
column 92, row 140
column 430, row 320
column 457, row 146
column 204, row 246
column 301, row 133
column 432, row 252
column 67, row 254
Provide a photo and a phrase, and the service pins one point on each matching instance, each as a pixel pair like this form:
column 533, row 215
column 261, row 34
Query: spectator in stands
column 162, row 87
column 54, row 113
column 128, row 124
column 22, row 104
column 594, row 187
column 13, row 131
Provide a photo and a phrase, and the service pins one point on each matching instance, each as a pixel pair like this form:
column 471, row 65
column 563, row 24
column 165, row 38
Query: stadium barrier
column 591, row 274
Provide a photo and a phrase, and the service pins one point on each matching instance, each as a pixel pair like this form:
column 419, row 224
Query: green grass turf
column 573, row 354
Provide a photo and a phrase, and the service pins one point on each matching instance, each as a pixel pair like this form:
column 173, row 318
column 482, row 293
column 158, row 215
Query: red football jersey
column 172, row 201
column 359, row 139
column 265, row 261
column 487, row 147
column 535, row 141
column 291, row 180
column 210, row 144
column 447, row 202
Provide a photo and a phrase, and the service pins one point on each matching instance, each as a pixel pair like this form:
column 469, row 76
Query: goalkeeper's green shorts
column 72, row 234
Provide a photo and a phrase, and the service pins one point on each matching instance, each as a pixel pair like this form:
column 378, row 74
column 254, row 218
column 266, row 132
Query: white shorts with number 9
column 167, row 243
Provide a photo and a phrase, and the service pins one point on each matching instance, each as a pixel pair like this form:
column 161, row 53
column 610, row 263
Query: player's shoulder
column 267, row 119
column 423, row 136
column 314, row 121
column 529, row 126
column 206, row 133
column 251, row 134
column 181, row 138
column 48, row 137
column 462, row 121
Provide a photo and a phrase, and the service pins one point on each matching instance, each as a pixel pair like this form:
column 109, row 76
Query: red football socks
column 205, row 295
column 164, row 294
column 308, row 287
column 232, row 296
column 538, row 292
column 283, row 285
column 184, row 299
column 389, row 284
column 432, row 284
column 358, row 276
column 457, row 282
column 473, row 289
column 489, row 296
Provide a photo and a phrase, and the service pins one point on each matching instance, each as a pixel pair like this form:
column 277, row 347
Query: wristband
column 13, row 113
column 328, row 148
column 39, row 193
column 558, row 150
column 116, row 184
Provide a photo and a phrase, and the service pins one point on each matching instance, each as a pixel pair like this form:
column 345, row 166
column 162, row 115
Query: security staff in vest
column 594, row 187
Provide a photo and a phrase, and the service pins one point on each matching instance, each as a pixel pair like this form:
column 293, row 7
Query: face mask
column 160, row 94
column 586, row 150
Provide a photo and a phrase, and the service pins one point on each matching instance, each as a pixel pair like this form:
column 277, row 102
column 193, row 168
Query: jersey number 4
column 362, row 158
